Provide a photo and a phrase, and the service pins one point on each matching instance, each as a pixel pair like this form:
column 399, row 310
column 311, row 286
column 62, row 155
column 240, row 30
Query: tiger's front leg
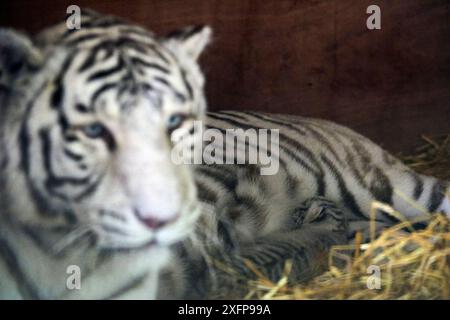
column 318, row 224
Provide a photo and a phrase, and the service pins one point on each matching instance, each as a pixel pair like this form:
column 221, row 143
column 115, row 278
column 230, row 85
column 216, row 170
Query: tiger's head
column 89, row 119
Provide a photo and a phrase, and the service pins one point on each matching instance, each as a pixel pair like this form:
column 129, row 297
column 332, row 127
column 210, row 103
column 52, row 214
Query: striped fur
column 73, row 191
column 324, row 159
column 87, row 126
column 322, row 164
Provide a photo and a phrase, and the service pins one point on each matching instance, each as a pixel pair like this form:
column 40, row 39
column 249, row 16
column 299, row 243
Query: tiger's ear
column 18, row 56
column 191, row 40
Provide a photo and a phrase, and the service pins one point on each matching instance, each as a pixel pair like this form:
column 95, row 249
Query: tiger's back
column 321, row 194
column 318, row 158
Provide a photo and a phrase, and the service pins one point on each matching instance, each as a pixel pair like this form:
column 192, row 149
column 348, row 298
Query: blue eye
column 175, row 121
column 94, row 130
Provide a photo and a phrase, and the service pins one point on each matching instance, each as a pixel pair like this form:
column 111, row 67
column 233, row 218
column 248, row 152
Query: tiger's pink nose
column 153, row 222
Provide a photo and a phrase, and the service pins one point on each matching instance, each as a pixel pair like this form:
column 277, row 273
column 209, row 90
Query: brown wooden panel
column 311, row 57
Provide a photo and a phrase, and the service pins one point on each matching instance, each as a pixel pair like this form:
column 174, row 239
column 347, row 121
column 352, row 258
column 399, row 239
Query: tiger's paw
column 321, row 212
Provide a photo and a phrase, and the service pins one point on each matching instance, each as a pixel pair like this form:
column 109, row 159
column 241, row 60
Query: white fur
column 139, row 181
column 445, row 206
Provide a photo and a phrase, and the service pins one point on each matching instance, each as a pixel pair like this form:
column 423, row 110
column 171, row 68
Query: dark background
column 310, row 57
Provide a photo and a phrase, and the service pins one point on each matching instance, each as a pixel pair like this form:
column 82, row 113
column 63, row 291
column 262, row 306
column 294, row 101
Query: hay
column 431, row 158
column 395, row 265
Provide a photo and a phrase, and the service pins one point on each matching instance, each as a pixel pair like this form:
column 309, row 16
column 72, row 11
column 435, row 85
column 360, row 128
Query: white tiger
column 87, row 177
column 321, row 196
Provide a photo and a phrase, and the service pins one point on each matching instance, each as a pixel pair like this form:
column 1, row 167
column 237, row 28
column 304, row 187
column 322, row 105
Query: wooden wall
column 308, row 57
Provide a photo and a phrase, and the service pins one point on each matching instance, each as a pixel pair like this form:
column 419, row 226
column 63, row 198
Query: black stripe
column 184, row 33
column 102, row 89
column 347, row 198
column 125, row 41
column 389, row 159
column 63, row 122
column 357, row 143
column 58, row 93
column 364, row 155
column 191, row 31
column 154, row 48
column 127, row 84
column 317, row 171
column 248, row 146
column 52, row 181
column 349, row 156
column 276, row 121
column 351, row 164
column 292, row 185
column 170, row 87
column 436, row 196
column 187, row 84
column 228, row 181
column 24, row 143
column 92, row 57
column 82, row 108
column 141, row 62
column 107, row 72
column 324, row 141
column 418, row 184
column 72, row 155
column 133, row 284
column 83, row 38
column 321, row 138
column 70, row 217
column 70, row 137
column 226, row 233
column 381, row 187
column 234, row 114
column 25, row 286
column 89, row 190
column 205, row 194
